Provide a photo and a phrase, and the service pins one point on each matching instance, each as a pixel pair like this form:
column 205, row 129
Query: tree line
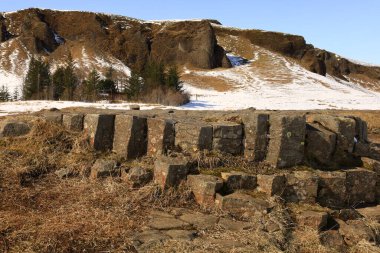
column 155, row 84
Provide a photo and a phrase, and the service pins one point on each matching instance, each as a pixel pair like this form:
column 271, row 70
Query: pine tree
column 154, row 74
column 16, row 94
column 4, row 94
column 58, row 82
column 135, row 86
column 91, row 85
column 71, row 80
column 108, row 85
column 37, row 80
column 173, row 79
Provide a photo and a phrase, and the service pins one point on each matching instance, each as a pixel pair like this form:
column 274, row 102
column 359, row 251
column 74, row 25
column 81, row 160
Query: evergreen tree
column 16, row 94
column 91, row 85
column 58, row 82
column 71, row 80
column 4, row 94
column 135, row 86
column 37, row 80
column 108, row 85
column 154, row 74
column 173, row 79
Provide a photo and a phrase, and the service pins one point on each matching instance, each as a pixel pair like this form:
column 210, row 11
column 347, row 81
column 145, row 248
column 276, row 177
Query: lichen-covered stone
column 104, row 168
column 361, row 186
column 14, row 129
column 256, row 130
column 170, row 171
column 204, row 188
column 271, row 184
column 130, row 137
column 73, row 122
column 193, row 137
column 239, row 181
column 100, row 130
column 287, row 141
column 332, row 189
column 161, row 136
column 301, row 186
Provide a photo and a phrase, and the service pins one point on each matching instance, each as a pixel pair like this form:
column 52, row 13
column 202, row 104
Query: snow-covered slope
column 271, row 81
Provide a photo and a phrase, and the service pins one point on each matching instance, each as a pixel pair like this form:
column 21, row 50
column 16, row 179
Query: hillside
column 223, row 68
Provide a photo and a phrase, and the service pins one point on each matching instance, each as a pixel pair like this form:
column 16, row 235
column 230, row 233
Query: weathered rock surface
column 100, row 130
column 301, row 186
column 192, row 137
column 371, row 213
column 161, row 136
column 239, row 181
column 199, row 220
column 360, row 186
column 53, row 116
column 332, row 189
column 228, row 138
column 13, row 129
column 312, row 219
column 353, row 231
column 104, row 168
column 73, row 122
column 240, row 203
column 256, row 130
column 130, row 137
column 272, row 184
column 138, row 176
column 287, row 141
column 204, row 188
column 334, row 240
column 170, row 171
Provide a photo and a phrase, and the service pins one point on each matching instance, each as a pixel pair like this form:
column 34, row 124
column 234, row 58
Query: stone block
column 228, row 138
column 287, row 141
column 354, row 231
column 100, row 130
column 54, row 117
column 204, row 188
column 104, row 168
column 130, row 137
column 320, row 146
column 239, row 181
column 332, row 189
column 301, row 187
column 73, row 122
column 13, row 129
column 170, row 171
column 371, row 213
column 271, row 184
column 138, row 177
column 360, row 186
column 312, row 219
column 240, row 203
column 161, row 136
column 256, row 130
column 193, row 137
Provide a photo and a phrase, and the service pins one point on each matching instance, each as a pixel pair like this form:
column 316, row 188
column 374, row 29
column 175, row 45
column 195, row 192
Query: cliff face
column 133, row 42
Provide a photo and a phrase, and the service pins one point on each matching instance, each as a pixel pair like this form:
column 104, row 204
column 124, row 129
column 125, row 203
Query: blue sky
column 347, row 27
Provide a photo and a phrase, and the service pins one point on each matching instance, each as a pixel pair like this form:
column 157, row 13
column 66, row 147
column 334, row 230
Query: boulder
column 204, row 188
column 100, row 130
column 73, row 122
column 271, row 184
column 53, row 116
column 360, row 186
column 130, row 137
column 256, row 130
column 138, row 176
column 240, row 203
column 287, row 141
column 161, row 136
column 104, row 168
column 371, row 213
column 320, row 146
column 332, row 189
column 301, row 186
column 239, row 181
column 353, row 231
column 313, row 219
column 345, row 130
column 228, row 138
column 13, row 129
column 193, row 137
column 170, row 171
column 333, row 239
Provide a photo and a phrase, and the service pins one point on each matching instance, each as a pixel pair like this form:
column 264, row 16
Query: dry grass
column 208, row 82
